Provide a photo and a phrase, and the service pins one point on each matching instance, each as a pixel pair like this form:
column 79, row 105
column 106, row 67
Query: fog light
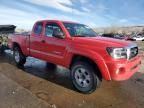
column 120, row 70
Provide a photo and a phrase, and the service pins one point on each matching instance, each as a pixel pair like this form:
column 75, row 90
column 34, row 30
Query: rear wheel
column 84, row 77
column 18, row 56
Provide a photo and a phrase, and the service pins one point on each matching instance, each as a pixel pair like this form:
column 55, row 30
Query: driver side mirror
column 58, row 34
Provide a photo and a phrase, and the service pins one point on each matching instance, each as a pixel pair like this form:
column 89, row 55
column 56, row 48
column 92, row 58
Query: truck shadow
column 41, row 69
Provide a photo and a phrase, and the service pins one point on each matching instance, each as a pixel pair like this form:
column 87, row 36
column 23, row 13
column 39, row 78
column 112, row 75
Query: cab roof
column 62, row 21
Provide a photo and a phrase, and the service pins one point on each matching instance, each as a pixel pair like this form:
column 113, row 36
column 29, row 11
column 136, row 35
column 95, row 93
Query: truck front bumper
column 123, row 69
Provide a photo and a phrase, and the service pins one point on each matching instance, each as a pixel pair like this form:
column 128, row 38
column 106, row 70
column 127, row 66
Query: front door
column 55, row 48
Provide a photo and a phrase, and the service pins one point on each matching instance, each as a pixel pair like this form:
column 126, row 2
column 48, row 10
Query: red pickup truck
column 89, row 57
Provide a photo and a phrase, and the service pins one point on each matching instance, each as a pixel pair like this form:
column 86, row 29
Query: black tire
column 94, row 80
column 21, row 58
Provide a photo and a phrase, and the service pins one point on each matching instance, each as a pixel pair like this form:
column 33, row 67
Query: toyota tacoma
column 77, row 47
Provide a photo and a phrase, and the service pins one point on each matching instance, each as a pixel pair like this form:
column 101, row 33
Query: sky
column 95, row 13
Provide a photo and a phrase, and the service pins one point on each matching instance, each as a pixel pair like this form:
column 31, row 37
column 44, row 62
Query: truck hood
column 100, row 42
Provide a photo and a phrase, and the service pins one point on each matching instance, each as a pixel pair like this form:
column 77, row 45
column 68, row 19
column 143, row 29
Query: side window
column 51, row 28
column 38, row 28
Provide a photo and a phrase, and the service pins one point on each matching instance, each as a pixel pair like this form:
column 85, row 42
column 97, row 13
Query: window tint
column 50, row 28
column 38, row 28
column 79, row 30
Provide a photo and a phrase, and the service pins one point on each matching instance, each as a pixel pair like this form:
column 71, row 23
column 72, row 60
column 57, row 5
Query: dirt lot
column 40, row 86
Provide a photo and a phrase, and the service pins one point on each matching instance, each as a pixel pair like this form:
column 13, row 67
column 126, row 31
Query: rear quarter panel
column 21, row 40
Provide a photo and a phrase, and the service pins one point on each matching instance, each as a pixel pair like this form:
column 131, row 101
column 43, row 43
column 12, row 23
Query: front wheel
column 84, row 77
column 18, row 56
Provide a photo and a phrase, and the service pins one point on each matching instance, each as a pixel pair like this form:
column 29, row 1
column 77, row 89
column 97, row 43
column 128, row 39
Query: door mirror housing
column 58, row 34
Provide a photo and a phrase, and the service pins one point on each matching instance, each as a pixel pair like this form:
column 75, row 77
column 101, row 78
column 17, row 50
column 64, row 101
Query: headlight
column 117, row 53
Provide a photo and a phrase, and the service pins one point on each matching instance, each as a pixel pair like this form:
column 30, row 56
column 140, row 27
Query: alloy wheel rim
column 82, row 77
column 17, row 56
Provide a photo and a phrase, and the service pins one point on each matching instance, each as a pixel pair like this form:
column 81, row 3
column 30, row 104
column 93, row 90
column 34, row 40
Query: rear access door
column 37, row 41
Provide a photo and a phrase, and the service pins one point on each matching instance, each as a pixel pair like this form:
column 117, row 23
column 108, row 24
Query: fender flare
column 94, row 56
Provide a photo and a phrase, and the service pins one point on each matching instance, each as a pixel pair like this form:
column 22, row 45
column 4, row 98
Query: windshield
column 79, row 30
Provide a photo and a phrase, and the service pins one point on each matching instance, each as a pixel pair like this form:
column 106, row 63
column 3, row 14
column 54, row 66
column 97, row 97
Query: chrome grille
column 133, row 52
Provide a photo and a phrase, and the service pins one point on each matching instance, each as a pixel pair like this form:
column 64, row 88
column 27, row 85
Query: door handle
column 43, row 41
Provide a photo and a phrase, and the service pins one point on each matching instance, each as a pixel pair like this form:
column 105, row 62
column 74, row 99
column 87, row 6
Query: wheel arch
column 77, row 57
column 15, row 44
column 97, row 64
